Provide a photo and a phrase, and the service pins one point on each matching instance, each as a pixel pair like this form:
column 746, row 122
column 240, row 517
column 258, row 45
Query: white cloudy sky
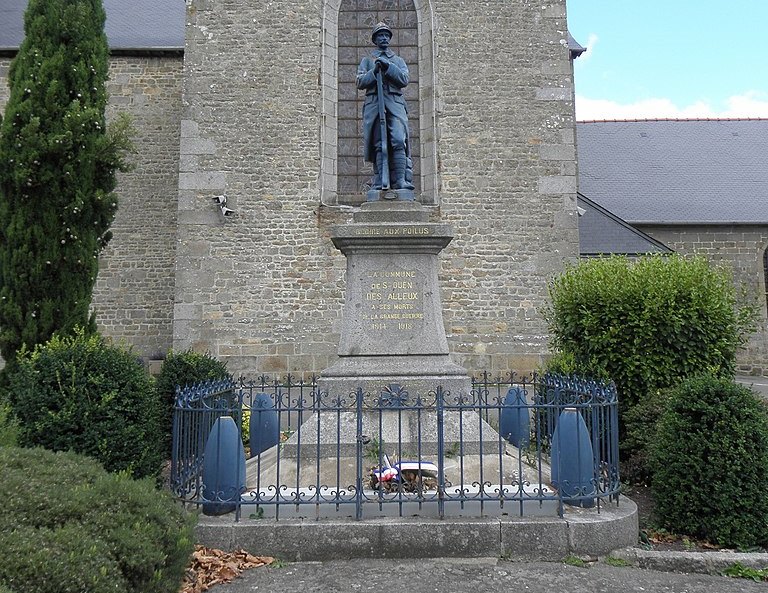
column 670, row 58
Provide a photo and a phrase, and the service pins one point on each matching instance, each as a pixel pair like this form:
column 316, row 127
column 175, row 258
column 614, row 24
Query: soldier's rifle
column 382, row 129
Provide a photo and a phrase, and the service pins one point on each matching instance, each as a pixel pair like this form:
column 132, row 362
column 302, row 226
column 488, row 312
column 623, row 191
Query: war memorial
column 357, row 205
column 273, row 121
column 392, row 431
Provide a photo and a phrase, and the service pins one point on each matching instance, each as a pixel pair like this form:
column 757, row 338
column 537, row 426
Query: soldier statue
column 383, row 75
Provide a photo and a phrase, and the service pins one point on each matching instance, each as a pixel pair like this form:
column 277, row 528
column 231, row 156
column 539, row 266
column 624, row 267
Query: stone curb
column 690, row 562
column 581, row 532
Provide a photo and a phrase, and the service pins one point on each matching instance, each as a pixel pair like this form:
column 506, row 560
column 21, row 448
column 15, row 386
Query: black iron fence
column 288, row 448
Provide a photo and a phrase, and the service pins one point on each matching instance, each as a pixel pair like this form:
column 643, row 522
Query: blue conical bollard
column 572, row 459
column 264, row 427
column 514, row 419
column 223, row 468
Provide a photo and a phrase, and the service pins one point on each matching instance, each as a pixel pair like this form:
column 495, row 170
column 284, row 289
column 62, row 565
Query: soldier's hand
column 382, row 64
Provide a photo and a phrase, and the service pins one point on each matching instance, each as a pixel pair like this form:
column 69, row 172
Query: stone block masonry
column 260, row 121
column 134, row 292
column 263, row 289
column 505, row 98
column 5, row 92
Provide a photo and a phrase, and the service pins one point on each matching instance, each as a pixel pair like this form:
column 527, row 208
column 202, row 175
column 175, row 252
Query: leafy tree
column 58, row 168
column 182, row 369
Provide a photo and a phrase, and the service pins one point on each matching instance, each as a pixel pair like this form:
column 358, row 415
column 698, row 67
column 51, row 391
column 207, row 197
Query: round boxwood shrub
column 640, row 423
column 646, row 323
column 81, row 393
column 182, row 369
column 710, row 463
column 69, row 526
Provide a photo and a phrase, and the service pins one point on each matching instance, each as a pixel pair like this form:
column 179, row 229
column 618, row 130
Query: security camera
column 221, row 200
column 226, row 211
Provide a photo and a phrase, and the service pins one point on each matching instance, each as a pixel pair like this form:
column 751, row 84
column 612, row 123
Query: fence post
column 176, row 443
column 237, row 401
column 440, row 409
column 359, row 455
column 614, row 436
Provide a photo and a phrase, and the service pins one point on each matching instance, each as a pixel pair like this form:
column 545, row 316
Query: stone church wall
column 508, row 174
column 262, row 117
column 134, row 292
column 4, row 90
column 263, row 288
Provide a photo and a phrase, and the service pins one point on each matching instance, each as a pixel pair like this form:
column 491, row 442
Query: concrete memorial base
column 464, row 474
column 418, row 375
column 590, row 532
column 405, row 195
column 392, row 335
column 392, row 328
column 405, row 434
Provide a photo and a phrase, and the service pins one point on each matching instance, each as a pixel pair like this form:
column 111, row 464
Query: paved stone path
column 486, row 575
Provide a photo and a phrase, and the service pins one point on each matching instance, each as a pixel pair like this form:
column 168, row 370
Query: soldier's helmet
column 378, row 28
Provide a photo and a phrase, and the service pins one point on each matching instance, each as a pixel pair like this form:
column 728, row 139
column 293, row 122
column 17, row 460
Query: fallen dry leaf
column 660, row 537
column 210, row 567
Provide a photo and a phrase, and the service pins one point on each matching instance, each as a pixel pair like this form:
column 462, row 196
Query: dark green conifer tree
column 57, row 173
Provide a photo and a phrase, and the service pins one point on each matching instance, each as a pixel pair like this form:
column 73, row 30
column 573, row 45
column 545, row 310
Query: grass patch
column 574, row 561
column 739, row 571
column 614, row 561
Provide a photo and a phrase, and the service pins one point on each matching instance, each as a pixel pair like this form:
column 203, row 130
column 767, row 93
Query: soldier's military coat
column 395, row 79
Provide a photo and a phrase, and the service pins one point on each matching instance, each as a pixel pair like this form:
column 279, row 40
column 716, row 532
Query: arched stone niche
column 347, row 26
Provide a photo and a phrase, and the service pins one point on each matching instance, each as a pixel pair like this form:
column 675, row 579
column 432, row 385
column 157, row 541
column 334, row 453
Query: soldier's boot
column 400, row 173
column 409, row 171
column 377, row 171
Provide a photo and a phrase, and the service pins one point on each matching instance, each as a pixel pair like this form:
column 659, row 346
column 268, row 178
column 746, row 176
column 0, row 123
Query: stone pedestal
column 393, row 334
column 392, row 329
column 405, row 195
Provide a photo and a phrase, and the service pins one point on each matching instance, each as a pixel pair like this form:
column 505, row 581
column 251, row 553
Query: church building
column 249, row 151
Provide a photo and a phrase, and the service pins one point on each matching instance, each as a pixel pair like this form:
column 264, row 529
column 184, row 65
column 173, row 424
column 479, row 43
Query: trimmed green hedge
column 641, row 423
column 182, row 369
column 648, row 323
column 9, row 427
column 710, row 463
column 69, row 526
column 83, row 394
